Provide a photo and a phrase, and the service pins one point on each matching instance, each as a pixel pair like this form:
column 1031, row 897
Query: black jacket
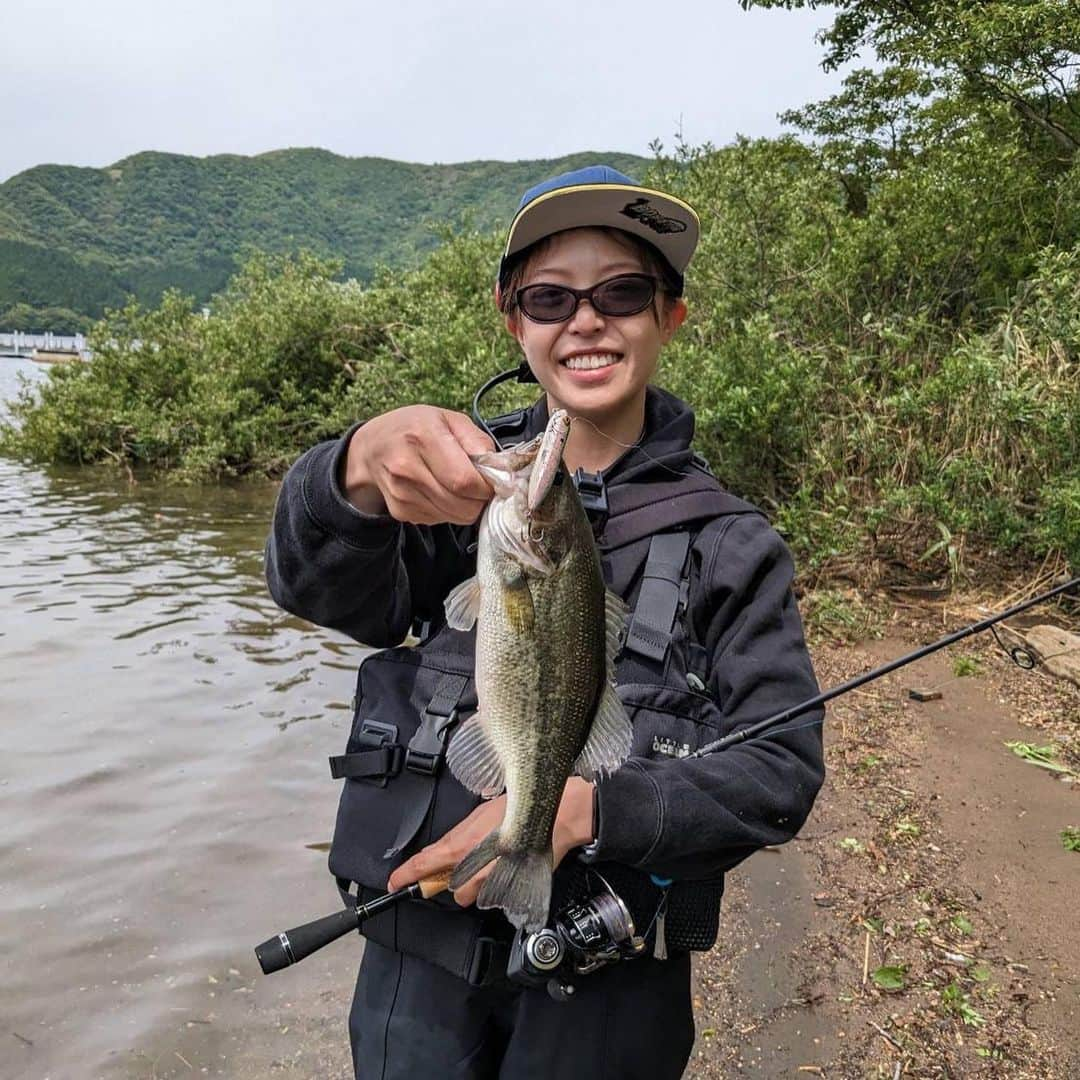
column 370, row 577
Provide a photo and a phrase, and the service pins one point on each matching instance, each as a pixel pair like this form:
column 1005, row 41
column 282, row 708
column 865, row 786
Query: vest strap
column 424, row 757
column 641, row 510
column 650, row 629
column 427, row 747
column 377, row 764
column 379, row 755
column 593, row 495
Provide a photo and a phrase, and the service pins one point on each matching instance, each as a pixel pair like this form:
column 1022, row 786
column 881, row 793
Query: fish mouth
column 500, row 467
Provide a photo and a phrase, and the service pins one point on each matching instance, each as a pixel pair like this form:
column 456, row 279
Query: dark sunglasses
column 626, row 294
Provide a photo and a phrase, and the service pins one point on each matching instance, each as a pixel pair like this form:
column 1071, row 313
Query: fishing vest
column 398, row 796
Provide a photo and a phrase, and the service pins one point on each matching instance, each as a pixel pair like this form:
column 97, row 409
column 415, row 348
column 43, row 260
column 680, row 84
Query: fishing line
column 523, row 374
column 626, row 446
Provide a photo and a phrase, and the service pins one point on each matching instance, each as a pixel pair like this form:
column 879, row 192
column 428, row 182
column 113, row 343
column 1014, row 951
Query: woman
column 372, row 531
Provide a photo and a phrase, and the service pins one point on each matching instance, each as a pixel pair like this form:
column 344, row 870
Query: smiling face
column 594, row 365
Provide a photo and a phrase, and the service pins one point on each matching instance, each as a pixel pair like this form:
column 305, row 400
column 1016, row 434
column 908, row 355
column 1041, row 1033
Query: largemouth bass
column 547, row 633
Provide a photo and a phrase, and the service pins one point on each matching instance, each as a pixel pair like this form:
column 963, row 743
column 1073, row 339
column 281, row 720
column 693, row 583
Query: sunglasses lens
column 547, row 303
column 624, row 295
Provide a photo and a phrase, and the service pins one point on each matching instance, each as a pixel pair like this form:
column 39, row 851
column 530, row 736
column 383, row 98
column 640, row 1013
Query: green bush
column 883, row 384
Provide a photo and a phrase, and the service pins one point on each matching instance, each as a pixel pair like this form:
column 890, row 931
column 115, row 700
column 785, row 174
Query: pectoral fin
column 608, row 744
column 463, row 605
column 473, row 759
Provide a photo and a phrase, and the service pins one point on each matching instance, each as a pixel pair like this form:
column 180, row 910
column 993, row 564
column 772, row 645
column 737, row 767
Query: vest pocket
column 408, row 705
column 668, row 722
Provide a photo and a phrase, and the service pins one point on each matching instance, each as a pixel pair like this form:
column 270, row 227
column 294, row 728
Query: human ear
column 674, row 317
column 513, row 328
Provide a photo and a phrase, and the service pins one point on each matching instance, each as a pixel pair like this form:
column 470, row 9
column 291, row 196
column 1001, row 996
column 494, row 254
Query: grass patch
column 956, row 1001
column 965, row 666
column 1043, row 756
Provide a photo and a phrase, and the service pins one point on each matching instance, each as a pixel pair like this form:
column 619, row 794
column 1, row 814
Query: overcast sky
column 88, row 83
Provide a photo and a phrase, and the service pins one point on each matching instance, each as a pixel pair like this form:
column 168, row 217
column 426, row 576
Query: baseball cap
column 599, row 195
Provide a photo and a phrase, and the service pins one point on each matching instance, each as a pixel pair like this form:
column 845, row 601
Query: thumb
column 469, row 437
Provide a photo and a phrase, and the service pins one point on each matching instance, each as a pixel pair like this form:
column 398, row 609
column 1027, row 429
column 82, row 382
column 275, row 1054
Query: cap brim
column 669, row 224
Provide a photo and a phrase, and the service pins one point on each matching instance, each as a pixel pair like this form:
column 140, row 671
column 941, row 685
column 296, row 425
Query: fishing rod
column 291, row 946
column 853, row 684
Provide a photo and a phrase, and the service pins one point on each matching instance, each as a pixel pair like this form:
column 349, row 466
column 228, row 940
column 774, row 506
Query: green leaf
column 961, row 923
column 1043, row 756
column 890, row 977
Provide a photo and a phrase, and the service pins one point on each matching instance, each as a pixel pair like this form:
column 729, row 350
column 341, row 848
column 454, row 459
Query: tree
column 977, row 55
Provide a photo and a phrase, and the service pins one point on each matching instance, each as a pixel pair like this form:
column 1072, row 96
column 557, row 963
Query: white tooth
column 589, row 363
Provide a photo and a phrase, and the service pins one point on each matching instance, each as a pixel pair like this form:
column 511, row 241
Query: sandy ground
column 933, row 851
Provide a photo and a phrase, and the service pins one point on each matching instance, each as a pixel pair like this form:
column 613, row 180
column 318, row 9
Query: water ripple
column 166, row 730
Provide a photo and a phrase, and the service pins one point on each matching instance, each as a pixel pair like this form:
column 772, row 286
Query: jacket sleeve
column 362, row 574
column 696, row 817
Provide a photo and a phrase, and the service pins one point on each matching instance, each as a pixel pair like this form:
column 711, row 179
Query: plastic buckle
column 427, row 747
column 373, row 735
column 593, row 495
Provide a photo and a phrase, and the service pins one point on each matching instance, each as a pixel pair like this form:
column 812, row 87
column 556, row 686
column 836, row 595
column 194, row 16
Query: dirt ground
column 933, row 862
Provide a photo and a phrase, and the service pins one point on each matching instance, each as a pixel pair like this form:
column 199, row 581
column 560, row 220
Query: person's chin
column 596, row 402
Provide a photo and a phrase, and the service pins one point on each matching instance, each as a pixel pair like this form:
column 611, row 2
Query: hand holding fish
column 573, row 828
column 414, row 464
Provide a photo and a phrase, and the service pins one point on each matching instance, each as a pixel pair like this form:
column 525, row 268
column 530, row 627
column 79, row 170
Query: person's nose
column 586, row 319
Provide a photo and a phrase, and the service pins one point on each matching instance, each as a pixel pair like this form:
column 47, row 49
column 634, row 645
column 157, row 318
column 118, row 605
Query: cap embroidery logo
column 651, row 218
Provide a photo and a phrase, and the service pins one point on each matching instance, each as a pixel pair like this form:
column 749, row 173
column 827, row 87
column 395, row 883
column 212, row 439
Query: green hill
column 80, row 239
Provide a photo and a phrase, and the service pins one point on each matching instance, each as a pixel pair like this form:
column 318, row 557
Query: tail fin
column 476, row 860
column 520, row 884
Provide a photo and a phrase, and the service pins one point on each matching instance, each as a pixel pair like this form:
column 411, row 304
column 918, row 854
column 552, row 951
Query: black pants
column 411, row 1020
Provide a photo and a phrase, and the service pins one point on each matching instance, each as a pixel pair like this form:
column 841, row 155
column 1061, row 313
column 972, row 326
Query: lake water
column 165, row 732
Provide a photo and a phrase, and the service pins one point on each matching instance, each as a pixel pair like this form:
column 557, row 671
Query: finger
column 470, row 442
column 465, row 895
column 405, row 874
column 456, row 441
column 452, row 847
column 469, row 437
column 459, row 491
column 413, row 493
column 423, row 864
